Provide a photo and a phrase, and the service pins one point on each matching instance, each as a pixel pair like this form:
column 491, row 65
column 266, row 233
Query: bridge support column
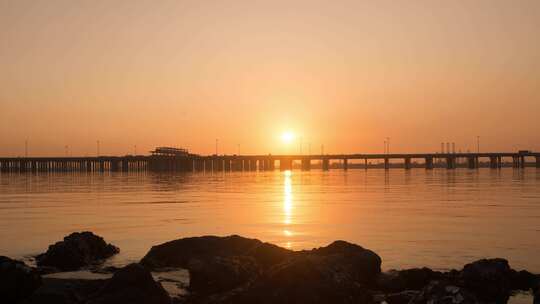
column 450, row 162
column 493, row 162
column 285, row 164
column 237, row 165
column 537, row 161
column 114, row 165
column 326, row 164
column 253, row 165
column 365, row 164
column 429, row 163
column 522, row 161
column 217, row 164
column 125, row 165
column 208, row 165
column 472, row 162
column 227, row 164
column 386, row 163
column 271, row 164
column 345, row 164
column 306, row 164
column 407, row 163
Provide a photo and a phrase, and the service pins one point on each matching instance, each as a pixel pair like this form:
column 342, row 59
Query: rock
column 522, row 280
column 536, row 293
column 363, row 265
column 77, row 250
column 17, row 281
column 178, row 253
column 408, row 279
column 219, row 274
column 489, row 279
column 308, row 278
column 65, row 291
column 132, row 284
column 403, row 297
column 438, row 292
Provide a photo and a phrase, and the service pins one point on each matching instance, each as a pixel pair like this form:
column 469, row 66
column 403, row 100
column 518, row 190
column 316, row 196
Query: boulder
column 131, row 284
column 17, row 281
column 308, row 278
column 489, row 279
column 407, row 279
column 523, row 280
column 64, row 291
column 362, row 265
column 179, row 253
column 338, row 273
column 440, row 292
column 77, row 250
column 219, row 274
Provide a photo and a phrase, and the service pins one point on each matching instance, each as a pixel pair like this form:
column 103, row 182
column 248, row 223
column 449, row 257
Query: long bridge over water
column 186, row 162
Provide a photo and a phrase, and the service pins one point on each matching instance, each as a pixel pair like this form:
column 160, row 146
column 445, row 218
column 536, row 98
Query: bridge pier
column 493, row 162
column 271, row 164
column 450, row 162
column 537, row 161
column 306, row 164
column 325, row 164
column 407, row 163
column 386, row 163
column 227, row 165
column 253, row 164
column 345, row 164
column 429, row 163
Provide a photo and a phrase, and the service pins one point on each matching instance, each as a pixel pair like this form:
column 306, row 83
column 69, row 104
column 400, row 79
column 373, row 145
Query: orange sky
column 343, row 73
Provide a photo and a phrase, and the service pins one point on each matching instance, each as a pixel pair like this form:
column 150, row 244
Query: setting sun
column 287, row 137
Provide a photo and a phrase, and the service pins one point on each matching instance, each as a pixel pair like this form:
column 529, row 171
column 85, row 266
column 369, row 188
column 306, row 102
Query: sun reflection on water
column 287, row 205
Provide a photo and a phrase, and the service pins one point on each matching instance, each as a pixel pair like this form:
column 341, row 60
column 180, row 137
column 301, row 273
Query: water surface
column 439, row 218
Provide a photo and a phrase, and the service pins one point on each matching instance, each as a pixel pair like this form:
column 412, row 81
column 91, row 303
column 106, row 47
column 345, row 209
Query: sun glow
column 287, row 137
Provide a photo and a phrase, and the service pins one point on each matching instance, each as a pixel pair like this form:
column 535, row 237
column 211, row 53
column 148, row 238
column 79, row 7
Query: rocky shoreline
column 235, row 269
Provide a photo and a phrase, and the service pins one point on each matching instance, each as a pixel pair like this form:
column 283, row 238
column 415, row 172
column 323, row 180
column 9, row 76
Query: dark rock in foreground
column 180, row 252
column 220, row 274
column 131, row 284
column 438, row 292
column 407, row 279
column 17, row 281
column 490, row 279
column 64, row 291
column 77, row 250
column 308, row 278
column 234, row 269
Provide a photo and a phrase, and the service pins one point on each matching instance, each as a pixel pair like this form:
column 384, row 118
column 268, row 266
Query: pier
column 186, row 162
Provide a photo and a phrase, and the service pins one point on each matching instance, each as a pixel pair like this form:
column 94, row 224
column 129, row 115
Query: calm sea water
column 440, row 218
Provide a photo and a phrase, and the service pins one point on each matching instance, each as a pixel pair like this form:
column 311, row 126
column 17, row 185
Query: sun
column 287, row 137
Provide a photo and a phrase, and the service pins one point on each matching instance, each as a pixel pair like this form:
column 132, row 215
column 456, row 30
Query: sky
column 343, row 74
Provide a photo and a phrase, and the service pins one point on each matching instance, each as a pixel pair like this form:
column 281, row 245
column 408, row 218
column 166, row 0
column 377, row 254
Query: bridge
column 186, row 162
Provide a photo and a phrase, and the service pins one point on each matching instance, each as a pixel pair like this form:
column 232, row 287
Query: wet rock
column 77, row 250
column 64, row 291
column 408, row 279
column 17, row 281
column 131, row 284
column 438, row 292
column 489, row 279
column 220, row 274
column 178, row 253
